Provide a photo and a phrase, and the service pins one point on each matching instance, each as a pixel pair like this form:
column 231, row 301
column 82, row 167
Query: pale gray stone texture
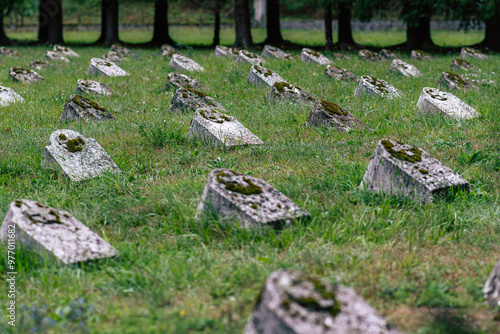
column 421, row 55
column 438, row 102
column 39, row 64
column 311, row 56
column 491, row 289
column 260, row 75
column 188, row 100
column 168, row 50
column 339, row 73
column 24, row 75
column 122, row 51
column 370, row 56
column 81, row 108
column 180, row 62
column 467, row 52
column 461, row 64
column 8, row 96
column 452, row 81
column 368, row 85
column 56, row 56
column 94, row 88
column 388, row 54
column 177, row 80
column 250, row 58
column 408, row 70
column 105, row 68
column 8, row 52
column 65, row 51
column 270, row 51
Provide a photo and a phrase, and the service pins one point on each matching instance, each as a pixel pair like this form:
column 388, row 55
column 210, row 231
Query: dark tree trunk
column 345, row 32
column 4, row 40
column 492, row 31
column 242, row 24
column 328, row 27
column 109, row 22
column 273, row 23
column 43, row 21
column 55, row 25
column 418, row 26
column 216, row 23
column 160, row 33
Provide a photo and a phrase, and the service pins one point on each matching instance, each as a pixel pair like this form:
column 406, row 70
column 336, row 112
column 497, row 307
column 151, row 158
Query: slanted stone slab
column 339, row 73
column 168, row 50
column 472, row 53
column 65, row 51
column 121, row 50
column 421, row 55
column 188, row 100
column 450, row 80
column 281, row 91
column 247, row 201
column 180, row 62
column 176, row 80
column 212, row 127
column 249, row 57
column 24, row 75
column 401, row 169
column 408, row 70
column 8, row 52
column 104, row 68
column 39, row 64
column 388, row 54
column 368, row 85
column 94, row 88
column 221, row 51
column 56, row 56
column 270, row 51
column 113, row 57
column 438, row 102
column 295, row 303
column 491, row 290
column 53, row 232
column 461, row 64
column 370, row 56
column 77, row 157
column 8, row 96
column 260, row 75
column 79, row 107
column 326, row 114
column 311, row 56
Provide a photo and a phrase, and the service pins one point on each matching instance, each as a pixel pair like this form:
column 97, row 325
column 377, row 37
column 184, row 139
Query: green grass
column 422, row 266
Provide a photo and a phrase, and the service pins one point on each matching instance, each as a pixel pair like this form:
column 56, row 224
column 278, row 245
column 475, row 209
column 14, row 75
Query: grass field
column 421, row 266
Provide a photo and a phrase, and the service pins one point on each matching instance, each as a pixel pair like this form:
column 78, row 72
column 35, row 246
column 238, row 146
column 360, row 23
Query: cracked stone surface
column 113, row 57
column 188, row 100
column 212, row 127
column 326, row 114
column 260, row 75
column 339, row 73
column 94, row 88
column 370, row 56
column 180, row 62
column 452, row 81
column 122, row 51
column 491, row 289
column 472, row 53
column 168, row 50
column 461, row 64
column 104, row 68
column 369, row 85
column 77, row 157
column 250, row 58
column 8, row 96
column 388, row 54
column 247, row 201
column 311, row 56
column 56, row 56
column 65, row 51
column 421, row 55
column 176, row 80
column 8, row 52
column 405, row 69
column 270, row 51
column 401, row 169
column 281, row 91
column 294, row 303
column 79, row 107
column 46, row 230
column 24, row 75
column 39, row 64
column 438, row 102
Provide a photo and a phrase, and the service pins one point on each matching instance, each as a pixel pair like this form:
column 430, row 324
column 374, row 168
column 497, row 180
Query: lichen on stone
column 332, row 108
column 415, row 156
column 86, row 103
column 249, row 188
column 75, row 145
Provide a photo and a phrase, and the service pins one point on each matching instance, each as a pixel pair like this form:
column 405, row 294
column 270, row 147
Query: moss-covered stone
column 75, row 145
column 249, row 188
column 403, row 155
column 86, row 103
column 332, row 108
column 379, row 84
column 313, row 53
column 282, row 86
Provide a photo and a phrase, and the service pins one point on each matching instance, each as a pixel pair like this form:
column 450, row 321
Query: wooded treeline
column 417, row 15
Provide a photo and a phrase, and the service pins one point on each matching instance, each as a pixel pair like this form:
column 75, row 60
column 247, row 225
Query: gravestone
column 369, row 85
column 388, row 54
column 210, row 126
column 176, row 80
column 39, row 64
column 491, row 289
column 295, row 303
column 270, row 51
column 339, row 73
column 438, row 102
column 94, row 88
column 281, row 91
column 65, row 51
column 247, row 201
column 77, row 157
column 53, row 232
column 122, row 51
column 221, row 51
column 180, row 62
column 56, row 56
column 168, row 50
column 401, row 169
column 113, row 57
column 311, row 56
column 251, row 58
column 326, row 114
column 421, row 55
column 81, row 108
column 340, row 56
column 450, row 80
column 8, row 52
column 187, row 99
column 8, row 96
column 260, row 75
column 461, row 64
column 408, row 70
column 370, row 56
column 104, row 68
column 472, row 53
column 24, row 75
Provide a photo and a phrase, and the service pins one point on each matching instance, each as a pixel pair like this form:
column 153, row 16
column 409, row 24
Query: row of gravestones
column 305, row 305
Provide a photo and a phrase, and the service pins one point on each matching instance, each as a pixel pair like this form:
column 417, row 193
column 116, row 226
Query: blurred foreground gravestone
column 491, row 289
column 472, row 53
column 326, row 114
column 84, row 109
column 438, row 102
column 369, row 85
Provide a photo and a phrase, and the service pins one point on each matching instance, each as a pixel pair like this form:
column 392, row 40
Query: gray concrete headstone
column 24, row 75
column 56, row 56
column 8, row 96
column 461, row 64
column 326, row 114
column 270, row 51
column 260, row 75
column 104, row 68
column 249, row 57
column 112, row 57
column 180, row 62
column 450, row 80
column 188, row 100
column 221, row 51
column 39, row 64
column 94, row 88
column 408, row 70
column 467, row 52
column 388, row 54
column 8, row 52
column 281, row 91
column 438, row 102
column 370, row 56
column 122, row 51
column 65, row 51
column 369, row 85
column 177, row 80
column 81, row 108
column 421, row 55
column 168, row 50
column 311, row 56
column 339, row 73
column 491, row 289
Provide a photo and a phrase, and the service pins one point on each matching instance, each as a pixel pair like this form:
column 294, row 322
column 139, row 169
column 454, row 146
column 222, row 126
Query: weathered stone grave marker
column 8, row 52
column 461, row 64
column 408, row 70
column 180, row 62
column 56, row 56
column 401, row 169
column 260, row 75
column 77, row 157
column 369, row 85
column 8, row 96
column 247, row 201
column 79, row 107
column 39, row 64
column 370, row 56
column 438, row 102
column 295, row 303
column 187, row 99
column 104, row 68
column 270, row 51
column 281, row 91
column 224, row 51
column 46, row 230
column 113, row 57
column 453, row 81
column 94, row 88
column 421, row 55
column 311, row 56
column 339, row 73
column 491, row 290
column 249, row 57
column 472, row 53
column 326, row 114
column 168, row 50
column 388, row 54
column 65, row 51
column 24, row 75
column 122, row 51
column 212, row 127
column 176, row 81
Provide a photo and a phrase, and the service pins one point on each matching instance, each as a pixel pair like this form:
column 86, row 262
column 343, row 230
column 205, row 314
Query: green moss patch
column 75, row 145
column 402, row 155
column 249, row 188
column 86, row 103
column 332, row 108
column 458, row 80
